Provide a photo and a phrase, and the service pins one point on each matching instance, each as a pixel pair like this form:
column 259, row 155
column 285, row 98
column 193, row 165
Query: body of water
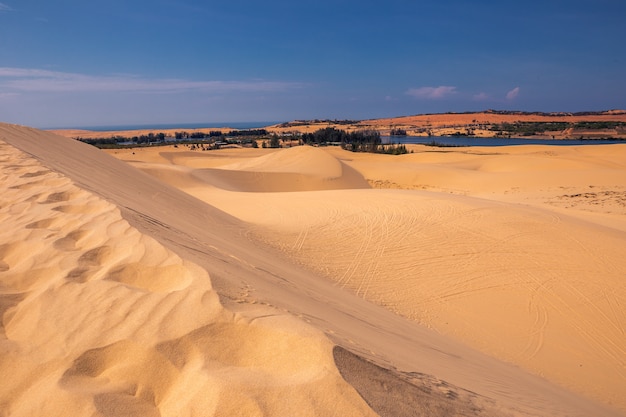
column 471, row 141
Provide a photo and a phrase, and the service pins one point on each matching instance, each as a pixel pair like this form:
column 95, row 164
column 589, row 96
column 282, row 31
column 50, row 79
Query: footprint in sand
column 7, row 302
column 124, row 377
column 41, row 224
column 34, row 174
column 58, row 197
column 8, row 254
column 68, row 243
column 88, row 261
column 162, row 278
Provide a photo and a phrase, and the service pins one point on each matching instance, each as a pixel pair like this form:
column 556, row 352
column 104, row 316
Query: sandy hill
column 440, row 119
column 478, row 124
column 500, row 247
column 100, row 319
column 178, row 284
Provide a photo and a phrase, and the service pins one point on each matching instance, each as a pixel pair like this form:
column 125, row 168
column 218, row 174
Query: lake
column 471, row 141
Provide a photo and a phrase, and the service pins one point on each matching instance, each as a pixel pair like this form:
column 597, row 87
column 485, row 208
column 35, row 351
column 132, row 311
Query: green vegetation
column 529, row 128
column 397, row 132
column 274, row 142
column 218, row 134
column 120, row 141
column 539, row 128
column 599, row 125
column 394, row 149
column 213, row 139
column 317, row 121
column 441, row 144
column 362, row 141
column 197, row 135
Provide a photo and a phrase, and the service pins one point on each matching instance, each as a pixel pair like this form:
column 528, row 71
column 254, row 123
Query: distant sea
column 234, row 125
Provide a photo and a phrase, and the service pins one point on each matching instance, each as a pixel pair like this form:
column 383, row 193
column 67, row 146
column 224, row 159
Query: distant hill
column 488, row 123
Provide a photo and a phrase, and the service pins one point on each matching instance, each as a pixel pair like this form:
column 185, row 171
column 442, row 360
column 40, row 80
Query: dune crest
column 305, row 160
column 100, row 320
column 301, row 168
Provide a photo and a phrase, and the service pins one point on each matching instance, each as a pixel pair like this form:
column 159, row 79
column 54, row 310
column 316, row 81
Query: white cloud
column 481, row 96
column 432, row 92
column 5, row 8
column 38, row 80
column 512, row 94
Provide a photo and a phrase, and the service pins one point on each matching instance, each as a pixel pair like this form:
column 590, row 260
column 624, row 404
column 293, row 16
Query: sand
column 475, row 281
column 487, row 117
column 99, row 319
column 516, row 251
column 479, row 123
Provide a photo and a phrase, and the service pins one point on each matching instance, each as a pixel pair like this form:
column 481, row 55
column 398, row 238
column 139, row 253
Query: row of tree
column 397, row 132
column 534, row 128
column 217, row 134
column 354, row 141
column 359, row 141
column 159, row 138
column 117, row 140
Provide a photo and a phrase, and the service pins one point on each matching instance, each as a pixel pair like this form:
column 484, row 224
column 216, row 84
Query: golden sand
column 516, row 251
column 99, row 319
column 142, row 287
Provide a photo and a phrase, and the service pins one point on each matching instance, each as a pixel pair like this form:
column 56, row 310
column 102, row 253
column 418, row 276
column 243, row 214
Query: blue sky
column 72, row 63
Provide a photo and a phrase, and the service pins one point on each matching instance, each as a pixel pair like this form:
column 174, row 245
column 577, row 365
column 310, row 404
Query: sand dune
column 294, row 169
column 475, row 246
column 99, row 319
column 482, row 272
column 481, row 124
column 108, row 308
column 447, row 119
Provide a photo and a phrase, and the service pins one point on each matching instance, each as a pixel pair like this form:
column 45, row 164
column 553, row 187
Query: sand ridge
column 300, row 168
column 473, row 246
column 99, row 319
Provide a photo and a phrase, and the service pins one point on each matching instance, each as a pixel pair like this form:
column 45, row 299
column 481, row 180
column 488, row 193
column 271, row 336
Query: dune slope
column 99, row 319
